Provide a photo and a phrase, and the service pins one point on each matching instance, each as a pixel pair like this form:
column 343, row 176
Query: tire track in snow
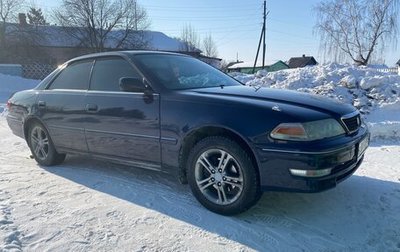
column 8, row 230
column 152, row 212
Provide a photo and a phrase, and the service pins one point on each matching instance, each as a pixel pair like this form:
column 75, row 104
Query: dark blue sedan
column 172, row 113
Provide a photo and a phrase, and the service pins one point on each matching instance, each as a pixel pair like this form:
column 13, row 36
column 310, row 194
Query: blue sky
column 236, row 25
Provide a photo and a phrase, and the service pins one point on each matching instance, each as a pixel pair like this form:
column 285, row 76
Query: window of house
column 107, row 73
column 74, row 76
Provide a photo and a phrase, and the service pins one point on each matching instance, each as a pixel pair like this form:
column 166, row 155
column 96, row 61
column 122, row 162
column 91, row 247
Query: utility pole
column 262, row 38
column 264, row 27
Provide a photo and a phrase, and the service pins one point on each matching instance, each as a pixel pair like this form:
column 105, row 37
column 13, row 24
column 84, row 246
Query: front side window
column 74, row 76
column 181, row 72
column 108, row 71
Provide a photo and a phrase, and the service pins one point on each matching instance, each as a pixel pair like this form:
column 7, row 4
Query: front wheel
column 222, row 176
column 42, row 147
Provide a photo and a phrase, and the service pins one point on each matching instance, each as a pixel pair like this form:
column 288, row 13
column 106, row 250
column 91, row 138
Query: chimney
column 22, row 19
column 304, row 55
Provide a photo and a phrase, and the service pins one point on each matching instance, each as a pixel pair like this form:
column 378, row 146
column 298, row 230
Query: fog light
column 311, row 173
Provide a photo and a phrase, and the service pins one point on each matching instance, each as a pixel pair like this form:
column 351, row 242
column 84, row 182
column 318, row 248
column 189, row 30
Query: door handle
column 41, row 104
column 91, row 107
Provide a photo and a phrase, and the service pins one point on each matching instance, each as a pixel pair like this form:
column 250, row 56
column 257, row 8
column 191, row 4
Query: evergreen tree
column 35, row 17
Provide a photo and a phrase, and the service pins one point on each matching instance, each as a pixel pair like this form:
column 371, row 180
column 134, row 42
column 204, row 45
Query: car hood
column 280, row 96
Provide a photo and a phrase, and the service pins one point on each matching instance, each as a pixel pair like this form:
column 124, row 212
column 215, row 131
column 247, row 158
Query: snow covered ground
column 87, row 205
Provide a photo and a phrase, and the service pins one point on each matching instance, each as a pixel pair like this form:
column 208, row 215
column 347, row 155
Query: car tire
column 42, row 146
column 222, row 176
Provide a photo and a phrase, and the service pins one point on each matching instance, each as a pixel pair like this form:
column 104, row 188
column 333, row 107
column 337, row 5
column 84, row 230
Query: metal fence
column 37, row 71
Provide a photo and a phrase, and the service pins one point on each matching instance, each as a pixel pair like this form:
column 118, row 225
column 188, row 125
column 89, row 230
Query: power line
column 175, row 19
column 190, row 10
column 227, row 40
column 222, row 29
column 211, row 7
column 291, row 34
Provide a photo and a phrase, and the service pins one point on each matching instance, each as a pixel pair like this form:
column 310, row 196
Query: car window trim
column 118, row 92
column 63, row 67
column 127, row 60
column 66, row 90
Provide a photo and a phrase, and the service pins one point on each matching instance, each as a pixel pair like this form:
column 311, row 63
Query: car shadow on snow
column 361, row 211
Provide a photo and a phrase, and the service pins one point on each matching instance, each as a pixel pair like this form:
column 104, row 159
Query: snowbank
column 375, row 94
column 384, row 122
column 11, row 84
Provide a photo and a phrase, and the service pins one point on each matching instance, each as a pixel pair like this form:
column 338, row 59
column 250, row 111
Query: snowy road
column 86, row 205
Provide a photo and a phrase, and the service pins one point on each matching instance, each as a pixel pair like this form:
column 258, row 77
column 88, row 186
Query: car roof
column 122, row 53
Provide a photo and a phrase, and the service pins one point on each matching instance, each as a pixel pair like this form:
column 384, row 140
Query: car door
column 121, row 125
column 62, row 106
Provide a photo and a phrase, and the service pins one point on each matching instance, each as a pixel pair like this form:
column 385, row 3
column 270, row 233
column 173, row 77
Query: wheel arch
column 29, row 121
column 196, row 135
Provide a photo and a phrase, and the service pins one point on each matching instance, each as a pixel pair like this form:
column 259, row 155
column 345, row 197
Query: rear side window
column 108, row 71
column 74, row 76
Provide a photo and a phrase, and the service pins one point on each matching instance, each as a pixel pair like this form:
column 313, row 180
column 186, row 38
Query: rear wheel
column 42, row 147
column 222, row 176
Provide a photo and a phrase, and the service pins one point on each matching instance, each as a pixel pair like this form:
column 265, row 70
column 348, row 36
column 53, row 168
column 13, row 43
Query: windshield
column 180, row 72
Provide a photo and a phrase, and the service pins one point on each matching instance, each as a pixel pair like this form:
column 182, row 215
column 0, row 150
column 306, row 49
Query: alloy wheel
column 219, row 176
column 40, row 143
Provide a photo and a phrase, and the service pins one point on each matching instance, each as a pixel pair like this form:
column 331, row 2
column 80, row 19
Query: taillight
column 8, row 104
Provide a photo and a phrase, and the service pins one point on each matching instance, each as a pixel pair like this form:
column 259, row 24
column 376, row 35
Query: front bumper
column 342, row 156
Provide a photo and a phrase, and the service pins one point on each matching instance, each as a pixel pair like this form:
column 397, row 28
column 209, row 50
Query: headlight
column 308, row 131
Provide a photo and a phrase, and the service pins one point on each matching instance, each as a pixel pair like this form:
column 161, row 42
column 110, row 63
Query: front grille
column 352, row 123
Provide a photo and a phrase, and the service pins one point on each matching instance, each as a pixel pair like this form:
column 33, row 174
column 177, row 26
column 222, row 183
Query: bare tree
column 209, row 47
column 190, row 39
column 95, row 22
column 358, row 29
column 9, row 9
column 8, row 12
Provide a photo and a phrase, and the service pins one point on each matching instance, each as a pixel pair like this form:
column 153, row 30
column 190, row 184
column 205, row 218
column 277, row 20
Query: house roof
column 398, row 63
column 58, row 36
column 251, row 64
column 244, row 65
column 303, row 61
column 279, row 62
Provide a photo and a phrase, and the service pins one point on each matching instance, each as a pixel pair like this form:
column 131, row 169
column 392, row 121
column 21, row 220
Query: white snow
column 88, row 205
column 245, row 64
column 10, row 84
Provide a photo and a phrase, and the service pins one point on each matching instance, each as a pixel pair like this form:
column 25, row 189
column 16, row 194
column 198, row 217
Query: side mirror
column 129, row 84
